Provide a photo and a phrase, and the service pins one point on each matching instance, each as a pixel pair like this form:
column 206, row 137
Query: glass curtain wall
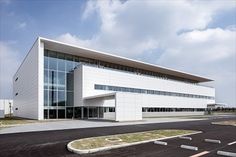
column 58, row 85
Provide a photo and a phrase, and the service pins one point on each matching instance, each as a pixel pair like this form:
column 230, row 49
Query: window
column 52, row 61
column 52, row 79
column 111, row 109
column 61, row 80
column 151, row 109
column 52, row 98
column 146, row 91
column 70, row 99
column 61, row 98
column 61, row 62
column 70, row 81
column 69, row 63
column 45, row 97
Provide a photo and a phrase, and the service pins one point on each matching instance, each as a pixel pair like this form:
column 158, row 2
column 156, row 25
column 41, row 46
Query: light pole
column 10, row 108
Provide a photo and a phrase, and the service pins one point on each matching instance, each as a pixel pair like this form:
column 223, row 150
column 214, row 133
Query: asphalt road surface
column 53, row 143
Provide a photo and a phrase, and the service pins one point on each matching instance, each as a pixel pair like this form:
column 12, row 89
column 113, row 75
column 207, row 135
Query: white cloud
column 177, row 30
column 9, row 62
column 211, row 53
column 21, row 25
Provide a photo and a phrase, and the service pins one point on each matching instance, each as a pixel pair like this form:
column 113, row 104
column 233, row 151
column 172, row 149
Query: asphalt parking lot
column 53, row 143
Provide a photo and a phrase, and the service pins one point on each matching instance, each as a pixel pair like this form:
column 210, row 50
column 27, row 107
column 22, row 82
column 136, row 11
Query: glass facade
column 156, row 109
column 58, row 85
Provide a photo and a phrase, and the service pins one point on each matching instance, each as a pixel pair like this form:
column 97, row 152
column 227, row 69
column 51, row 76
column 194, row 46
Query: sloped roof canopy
column 93, row 54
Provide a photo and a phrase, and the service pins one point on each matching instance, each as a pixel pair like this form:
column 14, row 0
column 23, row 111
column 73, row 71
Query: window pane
column 53, row 63
column 70, row 99
column 52, row 98
column 53, row 114
column 70, row 81
column 52, row 79
column 69, row 112
column 46, row 79
column 46, row 62
column 45, row 97
column 61, row 98
column 69, row 63
column 61, row 113
column 45, row 114
column 61, row 62
column 61, row 80
column 61, row 65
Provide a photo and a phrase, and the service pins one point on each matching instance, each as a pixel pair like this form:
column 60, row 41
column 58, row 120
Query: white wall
column 29, row 85
column 78, row 85
column 128, row 107
column 108, row 101
column 93, row 75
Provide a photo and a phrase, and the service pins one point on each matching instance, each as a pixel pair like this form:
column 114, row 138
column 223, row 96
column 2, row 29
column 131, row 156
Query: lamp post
column 10, row 108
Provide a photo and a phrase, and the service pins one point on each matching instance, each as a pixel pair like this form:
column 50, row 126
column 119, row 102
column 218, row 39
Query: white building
column 6, row 107
column 58, row 80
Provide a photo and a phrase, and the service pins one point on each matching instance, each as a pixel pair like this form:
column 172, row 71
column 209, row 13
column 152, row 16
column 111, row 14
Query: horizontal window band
column 147, row 91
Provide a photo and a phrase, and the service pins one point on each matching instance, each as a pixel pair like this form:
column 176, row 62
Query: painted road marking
column 160, row 142
column 189, row 147
column 231, row 143
column 185, row 138
column 230, row 154
column 200, row 154
column 212, row 141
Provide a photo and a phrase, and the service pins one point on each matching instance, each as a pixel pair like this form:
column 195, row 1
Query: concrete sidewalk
column 75, row 124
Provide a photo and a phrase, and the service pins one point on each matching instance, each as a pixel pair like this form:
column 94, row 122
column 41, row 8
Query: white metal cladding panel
column 163, row 114
column 149, row 100
column 27, row 86
column 103, row 101
column 93, row 75
column 128, row 107
column 40, row 80
column 78, row 84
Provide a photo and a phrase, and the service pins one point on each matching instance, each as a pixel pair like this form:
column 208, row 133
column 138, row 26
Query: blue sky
column 193, row 36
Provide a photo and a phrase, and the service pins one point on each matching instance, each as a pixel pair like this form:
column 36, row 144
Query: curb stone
column 86, row 151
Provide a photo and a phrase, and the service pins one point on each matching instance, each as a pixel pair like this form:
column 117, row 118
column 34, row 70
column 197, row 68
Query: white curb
column 185, row 138
column 160, row 142
column 86, row 151
column 223, row 153
column 212, row 141
column 189, row 147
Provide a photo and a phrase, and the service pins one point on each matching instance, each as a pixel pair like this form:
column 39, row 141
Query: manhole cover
column 113, row 139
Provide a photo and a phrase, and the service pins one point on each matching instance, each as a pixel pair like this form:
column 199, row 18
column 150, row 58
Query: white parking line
column 231, row 143
column 200, row 154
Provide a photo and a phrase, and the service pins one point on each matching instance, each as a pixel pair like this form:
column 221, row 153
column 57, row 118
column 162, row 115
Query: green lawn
column 104, row 141
column 10, row 121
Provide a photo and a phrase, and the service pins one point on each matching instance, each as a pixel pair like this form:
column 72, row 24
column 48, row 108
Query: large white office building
column 58, row 80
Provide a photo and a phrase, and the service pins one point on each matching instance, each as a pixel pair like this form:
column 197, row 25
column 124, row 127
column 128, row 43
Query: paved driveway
column 53, row 143
column 76, row 124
